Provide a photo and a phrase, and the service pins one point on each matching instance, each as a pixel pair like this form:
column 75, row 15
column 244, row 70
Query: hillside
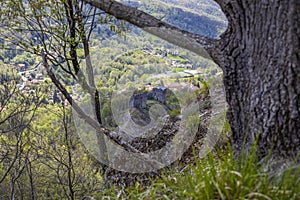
column 202, row 17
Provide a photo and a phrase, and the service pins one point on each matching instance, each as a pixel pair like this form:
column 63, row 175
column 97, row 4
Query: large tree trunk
column 259, row 54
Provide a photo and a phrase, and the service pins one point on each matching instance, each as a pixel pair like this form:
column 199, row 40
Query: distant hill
column 197, row 16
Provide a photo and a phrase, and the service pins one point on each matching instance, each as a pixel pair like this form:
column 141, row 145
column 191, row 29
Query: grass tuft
column 219, row 177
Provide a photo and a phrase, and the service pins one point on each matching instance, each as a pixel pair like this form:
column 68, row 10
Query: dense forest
column 79, row 87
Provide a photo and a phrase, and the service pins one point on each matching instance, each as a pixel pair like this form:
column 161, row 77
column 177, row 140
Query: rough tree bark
column 260, row 58
column 259, row 55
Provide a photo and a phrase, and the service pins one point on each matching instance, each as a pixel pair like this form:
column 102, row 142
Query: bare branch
column 97, row 126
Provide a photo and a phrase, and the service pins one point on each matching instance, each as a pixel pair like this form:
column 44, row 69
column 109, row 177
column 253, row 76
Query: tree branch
column 97, row 126
column 196, row 43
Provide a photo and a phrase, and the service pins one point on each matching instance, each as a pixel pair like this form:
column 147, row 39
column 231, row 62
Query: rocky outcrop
column 157, row 142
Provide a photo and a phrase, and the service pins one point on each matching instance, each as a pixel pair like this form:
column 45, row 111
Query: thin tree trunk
column 69, row 166
column 30, row 176
column 95, row 98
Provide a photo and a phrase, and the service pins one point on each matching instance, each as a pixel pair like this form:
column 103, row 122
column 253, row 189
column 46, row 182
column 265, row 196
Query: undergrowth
column 217, row 176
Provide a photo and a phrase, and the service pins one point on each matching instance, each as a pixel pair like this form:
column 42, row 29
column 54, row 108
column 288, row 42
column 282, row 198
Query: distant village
column 162, row 53
column 30, row 78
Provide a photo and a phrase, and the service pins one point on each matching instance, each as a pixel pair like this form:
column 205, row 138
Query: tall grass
column 218, row 176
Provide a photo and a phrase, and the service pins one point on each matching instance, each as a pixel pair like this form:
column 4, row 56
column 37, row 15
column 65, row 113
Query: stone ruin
column 139, row 100
column 159, row 94
column 164, row 137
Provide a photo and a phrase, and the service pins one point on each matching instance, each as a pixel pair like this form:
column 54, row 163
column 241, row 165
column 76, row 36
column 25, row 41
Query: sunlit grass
column 219, row 176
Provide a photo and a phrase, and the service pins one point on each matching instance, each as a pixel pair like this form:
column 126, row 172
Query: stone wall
column 159, row 94
column 139, row 100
